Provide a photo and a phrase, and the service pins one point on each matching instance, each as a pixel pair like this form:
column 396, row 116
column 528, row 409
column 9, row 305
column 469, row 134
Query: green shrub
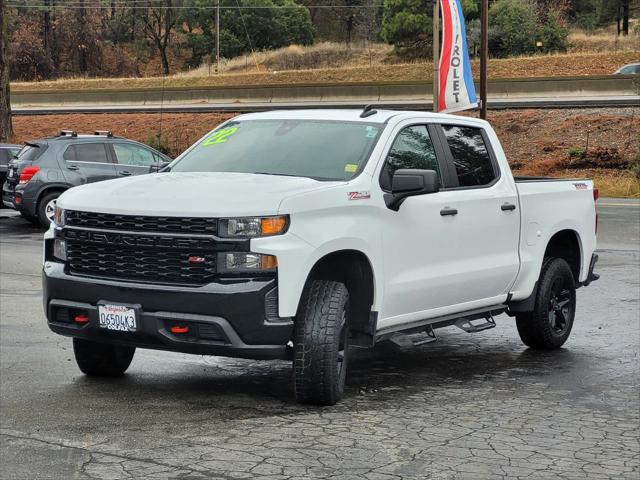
column 514, row 30
column 577, row 153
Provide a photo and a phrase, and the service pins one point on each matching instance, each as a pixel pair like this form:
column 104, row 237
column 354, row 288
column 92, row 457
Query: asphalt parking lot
column 468, row 406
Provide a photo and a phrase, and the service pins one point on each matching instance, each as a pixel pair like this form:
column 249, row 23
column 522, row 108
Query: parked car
column 630, row 68
column 7, row 152
column 297, row 234
column 47, row 167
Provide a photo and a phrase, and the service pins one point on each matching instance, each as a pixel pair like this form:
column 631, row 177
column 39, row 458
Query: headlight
column 250, row 227
column 240, row 262
column 59, row 217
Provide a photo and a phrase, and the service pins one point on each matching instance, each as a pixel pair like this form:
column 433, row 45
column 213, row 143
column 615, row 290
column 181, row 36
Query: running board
column 429, row 336
column 473, row 325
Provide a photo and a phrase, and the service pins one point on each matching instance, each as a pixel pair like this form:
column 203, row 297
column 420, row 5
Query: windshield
column 323, row 150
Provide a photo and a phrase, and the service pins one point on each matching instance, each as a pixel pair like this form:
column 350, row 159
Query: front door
column 132, row 159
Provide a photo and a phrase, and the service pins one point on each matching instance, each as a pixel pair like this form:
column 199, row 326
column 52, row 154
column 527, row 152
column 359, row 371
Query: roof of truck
column 350, row 115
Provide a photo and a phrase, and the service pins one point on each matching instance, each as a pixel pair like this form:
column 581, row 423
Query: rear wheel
column 548, row 326
column 47, row 208
column 102, row 359
column 321, row 343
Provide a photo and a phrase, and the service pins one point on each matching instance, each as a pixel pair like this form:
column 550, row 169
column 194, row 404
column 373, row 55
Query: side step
column 476, row 324
column 428, row 336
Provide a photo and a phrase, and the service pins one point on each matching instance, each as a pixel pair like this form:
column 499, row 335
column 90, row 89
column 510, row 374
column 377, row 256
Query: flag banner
column 457, row 91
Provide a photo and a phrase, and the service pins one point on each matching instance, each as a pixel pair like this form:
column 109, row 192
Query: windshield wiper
column 278, row 174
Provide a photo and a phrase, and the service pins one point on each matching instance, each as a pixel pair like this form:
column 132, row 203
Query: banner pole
column 436, row 54
column 484, row 49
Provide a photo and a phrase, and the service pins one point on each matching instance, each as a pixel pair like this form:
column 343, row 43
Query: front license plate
column 117, row 317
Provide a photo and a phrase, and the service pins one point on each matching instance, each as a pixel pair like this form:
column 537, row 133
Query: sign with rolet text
column 457, row 91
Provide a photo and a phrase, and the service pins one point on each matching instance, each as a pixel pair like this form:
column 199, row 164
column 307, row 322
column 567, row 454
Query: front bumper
column 233, row 318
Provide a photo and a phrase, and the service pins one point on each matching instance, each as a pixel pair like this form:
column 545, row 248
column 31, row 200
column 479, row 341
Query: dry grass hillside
column 594, row 143
column 597, row 54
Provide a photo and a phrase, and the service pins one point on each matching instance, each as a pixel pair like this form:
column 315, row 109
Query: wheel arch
column 566, row 244
column 353, row 268
column 49, row 188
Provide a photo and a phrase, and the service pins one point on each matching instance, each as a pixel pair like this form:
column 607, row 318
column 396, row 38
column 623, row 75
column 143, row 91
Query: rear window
column 470, row 156
column 30, row 153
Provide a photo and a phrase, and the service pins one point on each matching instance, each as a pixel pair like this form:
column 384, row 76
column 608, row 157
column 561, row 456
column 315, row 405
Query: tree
column 6, row 127
column 159, row 21
column 408, row 25
column 512, row 28
column 243, row 29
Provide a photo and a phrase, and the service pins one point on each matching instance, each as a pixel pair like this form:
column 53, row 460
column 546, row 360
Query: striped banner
column 457, row 91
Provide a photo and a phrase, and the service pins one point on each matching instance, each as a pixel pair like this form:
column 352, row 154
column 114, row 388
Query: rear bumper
column 28, row 203
column 226, row 319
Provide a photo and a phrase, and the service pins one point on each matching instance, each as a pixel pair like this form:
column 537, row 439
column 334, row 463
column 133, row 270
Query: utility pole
column 436, row 54
column 484, row 50
column 218, row 36
column 6, row 128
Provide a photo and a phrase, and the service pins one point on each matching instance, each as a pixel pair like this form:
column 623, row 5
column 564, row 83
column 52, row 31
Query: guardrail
column 499, row 89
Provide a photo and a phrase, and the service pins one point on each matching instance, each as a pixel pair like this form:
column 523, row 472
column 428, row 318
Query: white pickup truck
column 297, row 234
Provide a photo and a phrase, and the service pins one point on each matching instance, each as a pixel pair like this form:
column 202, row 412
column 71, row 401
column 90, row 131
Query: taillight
column 27, row 174
column 596, row 196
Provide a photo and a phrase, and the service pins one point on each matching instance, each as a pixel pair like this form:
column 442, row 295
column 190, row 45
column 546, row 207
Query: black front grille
column 141, row 223
column 154, row 265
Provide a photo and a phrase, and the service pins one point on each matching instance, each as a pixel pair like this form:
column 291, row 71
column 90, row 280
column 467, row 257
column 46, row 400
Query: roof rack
column 69, row 133
column 107, row 133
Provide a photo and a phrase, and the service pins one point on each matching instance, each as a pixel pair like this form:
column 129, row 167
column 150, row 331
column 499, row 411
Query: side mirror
column 410, row 182
column 158, row 167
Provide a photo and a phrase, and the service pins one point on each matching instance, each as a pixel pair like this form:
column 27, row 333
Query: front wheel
column 321, row 343
column 102, row 359
column 548, row 326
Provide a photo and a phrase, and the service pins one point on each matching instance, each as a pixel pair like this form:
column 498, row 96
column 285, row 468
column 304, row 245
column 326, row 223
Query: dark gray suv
column 45, row 168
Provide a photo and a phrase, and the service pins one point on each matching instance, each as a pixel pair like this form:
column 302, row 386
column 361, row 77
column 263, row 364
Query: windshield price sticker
column 219, row 136
column 350, row 167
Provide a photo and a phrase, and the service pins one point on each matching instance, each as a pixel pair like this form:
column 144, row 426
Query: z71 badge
column 359, row 195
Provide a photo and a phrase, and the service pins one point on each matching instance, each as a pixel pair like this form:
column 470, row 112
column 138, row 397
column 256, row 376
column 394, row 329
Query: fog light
column 60, row 249
column 238, row 262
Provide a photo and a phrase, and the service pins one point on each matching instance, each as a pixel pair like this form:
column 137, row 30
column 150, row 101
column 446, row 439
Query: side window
column 470, row 156
column 87, row 152
column 70, row 153
column 129, row 154
column 412, row 148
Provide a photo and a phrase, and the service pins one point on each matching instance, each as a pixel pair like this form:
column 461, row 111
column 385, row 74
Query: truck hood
column 189, row 194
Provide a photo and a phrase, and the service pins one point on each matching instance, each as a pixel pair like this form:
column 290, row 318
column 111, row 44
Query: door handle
column 124, row 173
column 448, row 211
column 73, row 167
column 507, row 206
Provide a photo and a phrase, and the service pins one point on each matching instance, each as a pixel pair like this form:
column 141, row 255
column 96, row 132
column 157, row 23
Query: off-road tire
column 102, row 359
column 321, row 339
column 535, row 328
column 42, row 207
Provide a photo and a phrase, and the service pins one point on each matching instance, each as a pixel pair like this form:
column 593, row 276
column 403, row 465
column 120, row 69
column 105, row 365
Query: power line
column 147, row 5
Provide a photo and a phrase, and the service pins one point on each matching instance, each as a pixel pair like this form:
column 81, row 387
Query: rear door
column 133, row 159
column 484, row 218
column 87, row 163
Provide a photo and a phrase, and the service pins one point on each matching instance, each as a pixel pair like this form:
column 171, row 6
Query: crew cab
column 297, row 234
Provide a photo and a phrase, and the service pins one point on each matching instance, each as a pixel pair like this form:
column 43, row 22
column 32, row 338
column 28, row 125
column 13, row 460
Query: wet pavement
column 468, row 406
